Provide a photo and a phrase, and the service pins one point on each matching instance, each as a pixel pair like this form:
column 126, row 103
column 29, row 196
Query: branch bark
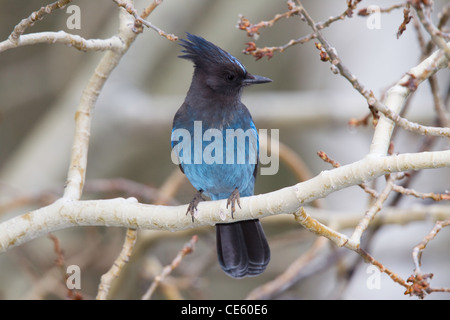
column 67, row 212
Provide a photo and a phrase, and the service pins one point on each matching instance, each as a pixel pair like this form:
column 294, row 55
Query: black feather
column 204, row 53
column 242, row 248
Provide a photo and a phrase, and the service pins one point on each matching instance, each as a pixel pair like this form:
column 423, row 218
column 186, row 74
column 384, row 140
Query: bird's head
column 220, row 71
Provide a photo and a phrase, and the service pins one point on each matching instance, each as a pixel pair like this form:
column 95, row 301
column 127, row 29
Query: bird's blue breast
column 217, row 150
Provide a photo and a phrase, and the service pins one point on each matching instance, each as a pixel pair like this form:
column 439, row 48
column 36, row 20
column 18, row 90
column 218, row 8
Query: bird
column 217, row 166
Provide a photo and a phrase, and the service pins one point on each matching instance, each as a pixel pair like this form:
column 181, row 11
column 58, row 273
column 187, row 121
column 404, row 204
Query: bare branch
column 187, row 249
column 35, row 16
column 374, row 209
column 141, row 19
column 119, row 263
column 71, row 40
column 253, row 29
column 436, row 35
column 367, row 12
column 68, row 212
column 419, row 281
column 422, row 195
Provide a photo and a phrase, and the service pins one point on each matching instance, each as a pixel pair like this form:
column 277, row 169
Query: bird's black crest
column 203, row 52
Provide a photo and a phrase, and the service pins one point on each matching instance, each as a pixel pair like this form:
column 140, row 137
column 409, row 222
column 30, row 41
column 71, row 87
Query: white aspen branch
column 391, row 215
column 65, row 212
column 83, row 117
column 395, row 101
column 20, row 28
column 72, row 40
column 121, row 260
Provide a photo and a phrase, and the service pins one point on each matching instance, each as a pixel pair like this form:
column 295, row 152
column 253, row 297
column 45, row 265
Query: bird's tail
column 242, row 248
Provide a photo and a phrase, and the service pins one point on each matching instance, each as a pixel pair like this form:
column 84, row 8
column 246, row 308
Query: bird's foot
column 233, row 199
column 194, row 203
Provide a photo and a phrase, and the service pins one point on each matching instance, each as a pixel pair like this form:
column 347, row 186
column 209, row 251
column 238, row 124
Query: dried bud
column 363, row 12
column 251, row 46
column 323, row 54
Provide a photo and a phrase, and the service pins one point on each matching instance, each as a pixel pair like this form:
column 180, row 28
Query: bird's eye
column 230, row 77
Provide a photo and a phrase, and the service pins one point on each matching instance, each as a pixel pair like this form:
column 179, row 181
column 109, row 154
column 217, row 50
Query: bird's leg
column 194, row 203
column 232, row 199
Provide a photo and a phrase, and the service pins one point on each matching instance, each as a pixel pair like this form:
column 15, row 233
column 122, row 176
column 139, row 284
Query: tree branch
column 67, row 212
column 35, row 16
column 72, row 40
column 83, row 117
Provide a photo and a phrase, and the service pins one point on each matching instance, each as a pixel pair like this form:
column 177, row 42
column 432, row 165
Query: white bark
column 120, row 212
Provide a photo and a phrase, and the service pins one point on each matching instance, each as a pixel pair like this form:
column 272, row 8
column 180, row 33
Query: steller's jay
column 214, row 109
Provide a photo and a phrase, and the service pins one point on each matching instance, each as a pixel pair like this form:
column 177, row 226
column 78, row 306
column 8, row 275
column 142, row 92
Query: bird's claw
column 194, row 203
column 233, row 199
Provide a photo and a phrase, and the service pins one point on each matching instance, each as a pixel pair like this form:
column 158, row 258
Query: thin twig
column 420, row 285
column 187, row 249
column 367, row 11
column 436, row 35
column 140, row 20
column 36, row 16
column 422, row 195
column 289, row 277
column 374, row 208
column 417, row 251
column 119, row 263
column 61, row 265
column 368, row 258
column 406, row 19
column 253, row 30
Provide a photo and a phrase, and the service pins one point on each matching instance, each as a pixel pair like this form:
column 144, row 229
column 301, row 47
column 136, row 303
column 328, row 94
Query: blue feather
column 216, row 144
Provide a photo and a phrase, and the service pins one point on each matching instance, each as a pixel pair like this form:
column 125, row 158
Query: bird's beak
column 254, row 79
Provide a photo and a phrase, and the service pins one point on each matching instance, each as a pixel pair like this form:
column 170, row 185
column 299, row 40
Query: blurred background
column 40, row 87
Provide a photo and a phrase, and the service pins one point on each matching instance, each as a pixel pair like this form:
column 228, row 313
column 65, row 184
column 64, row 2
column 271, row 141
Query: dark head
column 220, row 71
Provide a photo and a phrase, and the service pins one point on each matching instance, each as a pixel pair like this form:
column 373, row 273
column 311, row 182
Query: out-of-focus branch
column 367, row 11
column 83, row 116
column 422, row 195
column 288, row 277
column 35, row 16
column 420, row 285
column 374, row 209
column 187, row 249
column 436, row 35
column 253, row 29
column 140, row 20
column 121, row 260
column 166, row 192
column 396, row 95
